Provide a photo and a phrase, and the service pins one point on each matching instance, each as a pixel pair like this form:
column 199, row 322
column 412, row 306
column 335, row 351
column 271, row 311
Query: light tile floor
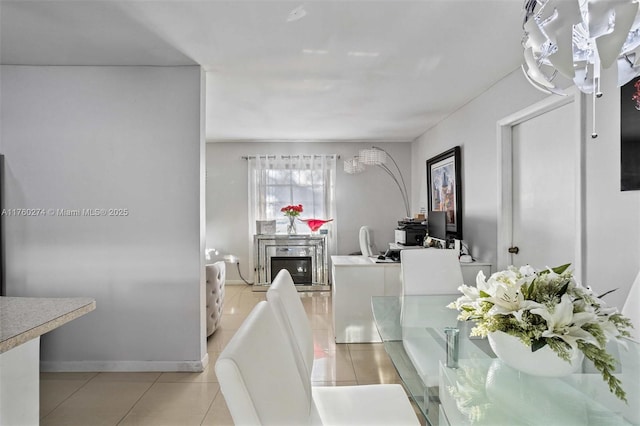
column 177, row 399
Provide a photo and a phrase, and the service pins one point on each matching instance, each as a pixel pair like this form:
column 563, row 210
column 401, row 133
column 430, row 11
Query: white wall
column 370, row 198
column 102, row 138
column 612, row 216
column 612, row 219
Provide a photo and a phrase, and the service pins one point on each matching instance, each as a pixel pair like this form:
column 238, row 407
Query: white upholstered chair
column 215, row 276
column 367, row 247
column 262, row 386
column 283, row 295
column 383, row 404
column 430, row 271
column 425, row 272
column 631, row 307
column 257, row 374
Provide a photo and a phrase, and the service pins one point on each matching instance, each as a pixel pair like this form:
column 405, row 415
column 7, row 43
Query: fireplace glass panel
column 305, row 246
column 299, row 268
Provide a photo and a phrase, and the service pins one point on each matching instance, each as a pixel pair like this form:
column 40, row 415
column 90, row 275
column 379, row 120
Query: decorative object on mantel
column 292, row 211
column 315, row 224
column 378, row 157
column 544, row 309
column 578, row 38
column 291, row 227
column 265, row 226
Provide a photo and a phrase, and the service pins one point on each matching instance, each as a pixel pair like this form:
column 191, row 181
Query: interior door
column 544, row 189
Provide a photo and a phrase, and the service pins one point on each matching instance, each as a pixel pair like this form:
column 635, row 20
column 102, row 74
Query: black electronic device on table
column 392, row 254
column 410, row 233
column 437, row 225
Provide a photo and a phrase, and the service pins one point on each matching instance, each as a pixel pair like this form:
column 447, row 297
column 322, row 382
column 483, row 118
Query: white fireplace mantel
column 295, row 246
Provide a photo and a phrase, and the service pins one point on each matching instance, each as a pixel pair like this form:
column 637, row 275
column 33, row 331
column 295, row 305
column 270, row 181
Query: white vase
column 543, row 362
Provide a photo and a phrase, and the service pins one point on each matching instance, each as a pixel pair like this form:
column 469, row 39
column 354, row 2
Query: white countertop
column 351, row 260
column 25, row 318
column 364, row 260
column 359, row 261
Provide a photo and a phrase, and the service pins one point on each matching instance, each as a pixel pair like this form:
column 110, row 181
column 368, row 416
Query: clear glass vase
column 291, row 227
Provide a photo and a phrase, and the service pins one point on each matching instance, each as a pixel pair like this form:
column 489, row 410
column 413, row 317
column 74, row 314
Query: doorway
column 541, row 185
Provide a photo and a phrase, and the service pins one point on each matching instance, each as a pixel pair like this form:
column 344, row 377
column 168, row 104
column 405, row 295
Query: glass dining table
column 480, row 389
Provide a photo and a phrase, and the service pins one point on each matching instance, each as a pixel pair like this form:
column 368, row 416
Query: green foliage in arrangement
column 543, row 308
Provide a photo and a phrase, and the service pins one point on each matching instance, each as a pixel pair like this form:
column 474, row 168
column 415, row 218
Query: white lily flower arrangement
column 542, row 308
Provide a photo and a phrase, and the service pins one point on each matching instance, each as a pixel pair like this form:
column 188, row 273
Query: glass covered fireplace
column 304, row 256
column 299, row 267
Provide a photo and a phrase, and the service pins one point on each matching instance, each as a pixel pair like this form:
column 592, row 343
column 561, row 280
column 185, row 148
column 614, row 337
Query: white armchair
column 215, row 276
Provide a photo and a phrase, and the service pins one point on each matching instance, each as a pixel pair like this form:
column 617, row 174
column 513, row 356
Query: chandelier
column 579, row 38
column 375, row 156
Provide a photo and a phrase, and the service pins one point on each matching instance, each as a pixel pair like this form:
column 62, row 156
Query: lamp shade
column 372, row 156
column 229, row 258
column 353, row 166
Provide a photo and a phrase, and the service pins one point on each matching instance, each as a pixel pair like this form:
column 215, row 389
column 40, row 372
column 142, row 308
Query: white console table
column 22, row 321
column 358, row 278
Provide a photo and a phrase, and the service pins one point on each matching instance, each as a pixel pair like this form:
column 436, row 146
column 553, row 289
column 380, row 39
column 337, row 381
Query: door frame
column 504, row 132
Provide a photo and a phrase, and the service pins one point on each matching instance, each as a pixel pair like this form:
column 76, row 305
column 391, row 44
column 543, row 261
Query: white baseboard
column 234, row 282
column 127, row 366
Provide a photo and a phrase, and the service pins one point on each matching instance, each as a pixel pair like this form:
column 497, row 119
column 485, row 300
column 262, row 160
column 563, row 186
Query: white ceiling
column 343, row 71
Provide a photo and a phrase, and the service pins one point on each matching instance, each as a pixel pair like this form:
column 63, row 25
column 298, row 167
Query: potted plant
column 543, row 314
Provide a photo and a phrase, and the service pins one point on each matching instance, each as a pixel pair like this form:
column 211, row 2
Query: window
column 284, row 187
column 278, row 181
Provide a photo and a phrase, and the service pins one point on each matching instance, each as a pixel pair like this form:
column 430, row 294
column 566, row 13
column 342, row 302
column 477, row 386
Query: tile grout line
column 70, row 395
column 219, row 392
column 138, row 400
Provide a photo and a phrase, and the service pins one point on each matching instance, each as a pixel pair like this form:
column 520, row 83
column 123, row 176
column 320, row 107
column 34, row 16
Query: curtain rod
column 246, row 157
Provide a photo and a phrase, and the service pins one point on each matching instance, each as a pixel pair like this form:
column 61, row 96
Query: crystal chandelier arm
column 578, row 38
column 610, row 43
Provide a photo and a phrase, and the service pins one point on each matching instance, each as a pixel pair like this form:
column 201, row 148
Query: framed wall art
column 444, row 186
column 630, row 135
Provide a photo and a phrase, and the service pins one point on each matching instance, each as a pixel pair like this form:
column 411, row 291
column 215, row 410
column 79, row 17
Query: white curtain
column 279, row 180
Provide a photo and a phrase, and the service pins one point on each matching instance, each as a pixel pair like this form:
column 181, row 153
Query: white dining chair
column 256, row 376
column 430, row 271
column 427, row 272
column 283, row 295
column 631, row 307
column 345, row 405
column 262, row 386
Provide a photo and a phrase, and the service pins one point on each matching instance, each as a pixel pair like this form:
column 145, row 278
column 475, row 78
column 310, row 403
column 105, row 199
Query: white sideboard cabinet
column 355, row 279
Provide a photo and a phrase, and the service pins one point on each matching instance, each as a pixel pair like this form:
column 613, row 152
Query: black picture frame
column 630, row 136
column 443, row 194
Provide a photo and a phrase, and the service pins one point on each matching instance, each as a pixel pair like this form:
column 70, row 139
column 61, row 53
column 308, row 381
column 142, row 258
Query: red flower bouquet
column 292, row 210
